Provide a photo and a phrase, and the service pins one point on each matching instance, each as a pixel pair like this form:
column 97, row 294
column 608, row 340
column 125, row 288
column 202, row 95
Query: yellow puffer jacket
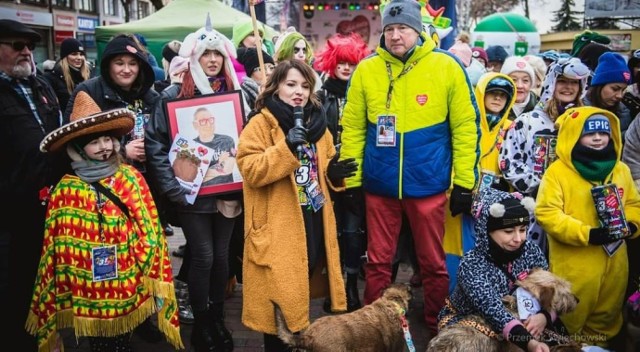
column 436, row 122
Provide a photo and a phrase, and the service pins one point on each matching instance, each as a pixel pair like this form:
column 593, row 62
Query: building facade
column 56, row 20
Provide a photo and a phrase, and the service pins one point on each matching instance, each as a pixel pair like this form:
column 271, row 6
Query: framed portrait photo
column 215, row 122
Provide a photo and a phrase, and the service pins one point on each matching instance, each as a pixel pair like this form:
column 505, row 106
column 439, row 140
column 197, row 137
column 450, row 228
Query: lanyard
column 392, row 81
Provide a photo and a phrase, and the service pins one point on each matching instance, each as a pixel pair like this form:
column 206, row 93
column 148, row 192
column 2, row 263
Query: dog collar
column 405, row 328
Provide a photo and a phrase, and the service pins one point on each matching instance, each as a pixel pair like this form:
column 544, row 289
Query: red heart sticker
column 202, row 151
column 611, row 201
column 574, row 115
column 627, row 76
column 521, row 64
column 422, row 99
column 621, row 192
column 131, row 49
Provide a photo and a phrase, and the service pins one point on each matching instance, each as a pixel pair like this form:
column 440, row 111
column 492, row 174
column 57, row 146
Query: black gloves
column 501, row 185
column 460, row 201
column 338, row 170
column 296, row 136
column 601, row 235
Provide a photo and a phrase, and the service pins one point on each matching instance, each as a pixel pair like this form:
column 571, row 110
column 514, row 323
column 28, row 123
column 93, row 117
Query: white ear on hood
column 529, row 204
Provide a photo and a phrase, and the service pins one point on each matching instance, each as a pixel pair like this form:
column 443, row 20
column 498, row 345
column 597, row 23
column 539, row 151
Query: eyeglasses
column 204, row 122
column 268, row 68
column 297, row 50
column 19, row 46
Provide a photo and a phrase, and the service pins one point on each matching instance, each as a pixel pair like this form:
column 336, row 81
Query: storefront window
column 36, row 2
column 143, row 9
column 87, row 5
column 62, row 3
column 111, row 7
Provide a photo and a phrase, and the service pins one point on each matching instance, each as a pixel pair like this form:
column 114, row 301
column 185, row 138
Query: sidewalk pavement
column 246, row 340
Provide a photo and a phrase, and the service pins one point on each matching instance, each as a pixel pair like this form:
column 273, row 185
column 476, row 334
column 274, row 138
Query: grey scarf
column 93, row 170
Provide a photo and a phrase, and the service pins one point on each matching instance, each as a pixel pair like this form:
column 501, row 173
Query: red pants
column 426, row 218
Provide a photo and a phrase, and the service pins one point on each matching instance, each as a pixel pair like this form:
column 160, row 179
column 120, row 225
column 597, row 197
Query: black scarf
column 336, row 86
column 594, row 165
column 315, row 120
column 502, row 256
column 76, row 75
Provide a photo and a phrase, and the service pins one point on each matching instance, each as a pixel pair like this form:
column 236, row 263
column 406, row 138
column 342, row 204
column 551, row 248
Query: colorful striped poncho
column 65, row 294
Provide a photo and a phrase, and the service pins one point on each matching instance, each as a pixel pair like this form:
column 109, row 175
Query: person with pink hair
column 338, row 60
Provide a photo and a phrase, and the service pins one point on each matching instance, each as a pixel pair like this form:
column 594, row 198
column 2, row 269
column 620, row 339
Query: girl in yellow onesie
column 588, row 150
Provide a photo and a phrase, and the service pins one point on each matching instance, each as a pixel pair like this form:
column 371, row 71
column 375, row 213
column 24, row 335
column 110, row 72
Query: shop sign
column 27, row 17
column 65, row 21
column 87, row 24
column 62, row 35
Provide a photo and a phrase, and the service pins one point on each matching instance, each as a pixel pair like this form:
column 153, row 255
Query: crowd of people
column 492, row 164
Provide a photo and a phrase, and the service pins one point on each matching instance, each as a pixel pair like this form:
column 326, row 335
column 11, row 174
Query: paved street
column 247, row 340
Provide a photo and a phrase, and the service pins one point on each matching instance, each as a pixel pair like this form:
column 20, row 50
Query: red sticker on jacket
column 621, row 192
column 422, row 99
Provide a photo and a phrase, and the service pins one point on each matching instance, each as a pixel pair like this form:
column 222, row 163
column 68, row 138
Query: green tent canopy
column 505, row 22
column 175, row 21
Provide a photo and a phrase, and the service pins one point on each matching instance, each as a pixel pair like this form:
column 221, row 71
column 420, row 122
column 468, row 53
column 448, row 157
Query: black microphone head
column 298, row 115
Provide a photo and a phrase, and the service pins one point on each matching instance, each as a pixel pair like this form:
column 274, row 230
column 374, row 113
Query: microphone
column 298, row 116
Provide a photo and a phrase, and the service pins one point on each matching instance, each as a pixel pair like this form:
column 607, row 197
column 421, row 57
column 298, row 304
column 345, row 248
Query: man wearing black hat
column 28, row 111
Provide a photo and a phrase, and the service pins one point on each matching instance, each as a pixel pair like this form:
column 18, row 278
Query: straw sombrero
column 88, row 118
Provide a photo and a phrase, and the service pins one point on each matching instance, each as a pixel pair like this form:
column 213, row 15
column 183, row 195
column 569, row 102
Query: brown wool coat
column 275, row 251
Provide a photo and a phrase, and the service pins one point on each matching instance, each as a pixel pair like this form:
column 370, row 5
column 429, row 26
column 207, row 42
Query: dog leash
column 405, row 329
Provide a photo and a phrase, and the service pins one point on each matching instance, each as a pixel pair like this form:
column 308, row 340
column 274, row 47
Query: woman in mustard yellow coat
column 290, row 229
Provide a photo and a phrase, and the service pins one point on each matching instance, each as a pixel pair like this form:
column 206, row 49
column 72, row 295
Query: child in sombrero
column 105, row 266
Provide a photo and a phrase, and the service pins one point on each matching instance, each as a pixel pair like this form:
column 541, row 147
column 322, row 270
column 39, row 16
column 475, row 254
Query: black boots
column 202, row 336
column 221, row 335
column 353, row 298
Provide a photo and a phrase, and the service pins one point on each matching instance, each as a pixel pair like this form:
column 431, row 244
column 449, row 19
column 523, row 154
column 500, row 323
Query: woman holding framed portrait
column 209, row 221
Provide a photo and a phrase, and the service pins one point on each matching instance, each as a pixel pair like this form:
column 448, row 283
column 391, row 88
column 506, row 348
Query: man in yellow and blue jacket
column 410, row 121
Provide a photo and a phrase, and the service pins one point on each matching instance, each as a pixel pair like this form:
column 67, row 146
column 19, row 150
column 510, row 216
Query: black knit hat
column 171, row 50
column 71, row 45
column 15, row 29
column 248, row 57
column 509, row 212
column 590, row 54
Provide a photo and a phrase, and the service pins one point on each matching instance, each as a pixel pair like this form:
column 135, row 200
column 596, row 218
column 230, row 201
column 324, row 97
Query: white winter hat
column 518, row 64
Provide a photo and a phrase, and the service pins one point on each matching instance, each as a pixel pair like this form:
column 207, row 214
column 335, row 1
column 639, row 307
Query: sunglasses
column 19, row 46
column 206, row 121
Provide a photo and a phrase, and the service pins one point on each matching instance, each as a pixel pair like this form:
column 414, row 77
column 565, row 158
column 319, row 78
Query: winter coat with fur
column 275, row 253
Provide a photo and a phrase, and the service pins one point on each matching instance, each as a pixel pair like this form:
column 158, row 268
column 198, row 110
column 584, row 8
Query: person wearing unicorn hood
column 495, row 94
column 208, row 223
column 581, row 249
column 519, row 158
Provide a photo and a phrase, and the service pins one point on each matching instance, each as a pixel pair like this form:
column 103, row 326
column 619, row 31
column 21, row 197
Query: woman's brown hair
column 279, row 75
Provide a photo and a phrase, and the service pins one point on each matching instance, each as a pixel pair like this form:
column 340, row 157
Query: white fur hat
column 518, row 64
column 207, row 38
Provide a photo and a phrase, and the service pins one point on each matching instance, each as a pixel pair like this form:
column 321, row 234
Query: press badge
column 315, row 195
column 386, row 131
column 105, row 263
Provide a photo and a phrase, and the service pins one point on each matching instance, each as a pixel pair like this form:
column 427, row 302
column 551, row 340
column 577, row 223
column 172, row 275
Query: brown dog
column 376, row 327
column 553, row 293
